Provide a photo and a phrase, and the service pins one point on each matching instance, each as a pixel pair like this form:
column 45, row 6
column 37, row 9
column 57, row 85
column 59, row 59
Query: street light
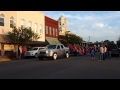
column 89, row 39
column 66, row 33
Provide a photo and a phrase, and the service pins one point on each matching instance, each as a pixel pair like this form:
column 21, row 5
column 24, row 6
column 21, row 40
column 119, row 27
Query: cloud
column 99, row 25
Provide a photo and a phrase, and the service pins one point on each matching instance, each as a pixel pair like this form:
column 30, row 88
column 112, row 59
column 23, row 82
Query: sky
column 98, row 25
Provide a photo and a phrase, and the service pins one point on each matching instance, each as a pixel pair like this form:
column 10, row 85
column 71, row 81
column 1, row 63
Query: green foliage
column 108, row 42
column 73, row 39
column 118, row 42
column 22, row 35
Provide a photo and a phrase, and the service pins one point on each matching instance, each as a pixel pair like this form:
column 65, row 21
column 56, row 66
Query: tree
column 22, row 35
column 118, row 42
column 73, row 39
column 109, row 42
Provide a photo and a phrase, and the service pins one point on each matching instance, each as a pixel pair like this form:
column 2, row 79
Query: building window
column 41, row 29
column 36, row 27
column 22, row 23
column 53, row 32
column 1, row 21
column 56, row 32
column 50, row 30
column 46, row 29
column 30, row 25
column 11, row 22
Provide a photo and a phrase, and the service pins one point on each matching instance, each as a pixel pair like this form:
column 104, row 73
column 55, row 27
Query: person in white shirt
column 101, row 52
column 105, row 53
column 19, row 52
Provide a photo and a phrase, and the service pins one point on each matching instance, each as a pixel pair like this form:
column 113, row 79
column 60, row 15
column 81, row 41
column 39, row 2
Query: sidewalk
column 4, row 59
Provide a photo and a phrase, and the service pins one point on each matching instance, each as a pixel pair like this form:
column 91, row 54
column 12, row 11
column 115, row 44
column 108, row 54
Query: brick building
column 51, row 30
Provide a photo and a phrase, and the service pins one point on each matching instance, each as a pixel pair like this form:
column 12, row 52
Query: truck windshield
column 34, row 48
column 113, row 46
column 51, row 46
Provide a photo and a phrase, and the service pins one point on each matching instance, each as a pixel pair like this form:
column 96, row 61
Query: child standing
column 92, row 54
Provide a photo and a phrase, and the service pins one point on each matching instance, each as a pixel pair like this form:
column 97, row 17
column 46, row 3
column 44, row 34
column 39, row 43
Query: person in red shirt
column 23, row 52
column 0, row 52
column 75, row 50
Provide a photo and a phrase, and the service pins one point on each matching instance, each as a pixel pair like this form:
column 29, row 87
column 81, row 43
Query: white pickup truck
column 54, row 51
column 33, row 52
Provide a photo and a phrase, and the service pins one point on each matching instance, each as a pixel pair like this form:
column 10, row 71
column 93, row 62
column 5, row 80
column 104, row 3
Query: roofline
column 40, row 12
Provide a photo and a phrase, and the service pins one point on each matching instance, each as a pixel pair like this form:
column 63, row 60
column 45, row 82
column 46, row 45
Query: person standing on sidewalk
column 101, row 53
column 23, row 52
column 105, row 52
column 19, row 52
column 92, row 54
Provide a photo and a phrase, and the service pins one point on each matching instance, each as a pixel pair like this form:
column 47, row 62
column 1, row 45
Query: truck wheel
column 36, row 55
column 54, row 56
column 67, row 55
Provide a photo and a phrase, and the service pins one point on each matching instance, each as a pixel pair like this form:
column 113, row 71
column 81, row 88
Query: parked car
column 114, row 49
column 33, row 52
column 54, row 51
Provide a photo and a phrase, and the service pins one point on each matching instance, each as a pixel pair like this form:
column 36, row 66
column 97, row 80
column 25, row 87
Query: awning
column 37, row 43
column 4, row 39
column 53, row 40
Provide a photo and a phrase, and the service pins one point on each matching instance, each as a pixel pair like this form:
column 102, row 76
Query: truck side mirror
column 58, row 47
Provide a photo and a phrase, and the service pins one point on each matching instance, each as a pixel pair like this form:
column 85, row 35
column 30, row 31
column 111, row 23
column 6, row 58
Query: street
column 76, row 67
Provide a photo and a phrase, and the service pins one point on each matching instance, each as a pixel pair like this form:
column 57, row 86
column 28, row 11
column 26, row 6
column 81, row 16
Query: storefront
column 6, row 45
column 53, row 40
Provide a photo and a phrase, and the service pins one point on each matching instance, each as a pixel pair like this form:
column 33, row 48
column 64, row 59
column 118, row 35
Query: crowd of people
column 103, row 50
column 79, row 49
column 76, row 49
column 21, row 52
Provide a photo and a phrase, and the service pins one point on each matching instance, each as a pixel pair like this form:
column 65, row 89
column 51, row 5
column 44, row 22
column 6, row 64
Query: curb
column 4, row 59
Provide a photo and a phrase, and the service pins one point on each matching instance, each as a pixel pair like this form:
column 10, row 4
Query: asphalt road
column 80, row 67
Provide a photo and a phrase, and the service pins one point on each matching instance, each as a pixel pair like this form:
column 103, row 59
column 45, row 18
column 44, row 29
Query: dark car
column 114, row 50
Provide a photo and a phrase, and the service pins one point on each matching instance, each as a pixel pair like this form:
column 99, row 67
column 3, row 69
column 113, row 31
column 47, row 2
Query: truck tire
column 36, row 55
column 54, row 56
column 67, row 55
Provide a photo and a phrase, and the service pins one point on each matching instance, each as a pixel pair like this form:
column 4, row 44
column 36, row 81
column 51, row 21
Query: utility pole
column 89, row 39
column 66, row 34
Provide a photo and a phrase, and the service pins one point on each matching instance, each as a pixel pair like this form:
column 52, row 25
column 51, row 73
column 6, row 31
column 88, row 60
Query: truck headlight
column 50, row 52
column 47, row 51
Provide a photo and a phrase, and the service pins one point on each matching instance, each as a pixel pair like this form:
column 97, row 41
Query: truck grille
column 28, row 53
column 42, row 52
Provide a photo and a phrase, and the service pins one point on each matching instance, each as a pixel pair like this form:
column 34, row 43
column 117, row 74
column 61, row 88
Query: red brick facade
column 51, row 27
